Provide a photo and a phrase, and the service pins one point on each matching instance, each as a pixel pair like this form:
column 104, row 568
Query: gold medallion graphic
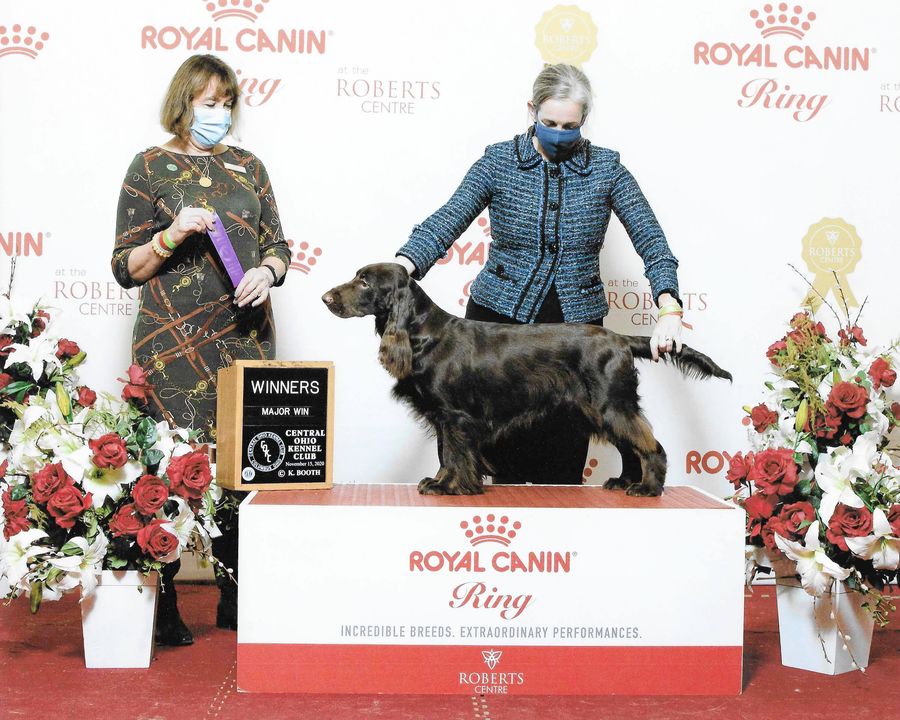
column 831, row 249
column 566, row 34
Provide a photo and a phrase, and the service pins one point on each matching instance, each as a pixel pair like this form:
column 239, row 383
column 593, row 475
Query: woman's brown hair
column 190, row 80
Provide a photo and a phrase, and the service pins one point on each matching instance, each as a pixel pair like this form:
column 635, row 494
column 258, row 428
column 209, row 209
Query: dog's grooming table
column 523, row 590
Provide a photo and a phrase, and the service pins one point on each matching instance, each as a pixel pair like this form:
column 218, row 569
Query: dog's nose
column 328, row 298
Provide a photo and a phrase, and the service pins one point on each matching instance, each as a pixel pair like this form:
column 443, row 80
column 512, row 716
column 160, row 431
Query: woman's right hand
column 190, row 220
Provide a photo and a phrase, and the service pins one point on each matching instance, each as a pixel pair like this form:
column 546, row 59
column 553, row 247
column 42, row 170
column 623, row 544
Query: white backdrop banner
column 763, row 134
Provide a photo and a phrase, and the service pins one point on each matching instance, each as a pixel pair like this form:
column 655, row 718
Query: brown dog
column 474, row 381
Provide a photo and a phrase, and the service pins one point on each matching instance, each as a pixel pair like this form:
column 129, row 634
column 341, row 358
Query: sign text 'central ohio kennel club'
column 274, row 425
column 522, row 590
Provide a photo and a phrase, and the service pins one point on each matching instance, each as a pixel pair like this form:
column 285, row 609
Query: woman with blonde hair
column 191, row 319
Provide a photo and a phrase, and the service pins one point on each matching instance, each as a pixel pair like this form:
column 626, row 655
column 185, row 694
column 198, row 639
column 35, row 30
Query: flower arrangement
column 820, row 489
column 89, row 482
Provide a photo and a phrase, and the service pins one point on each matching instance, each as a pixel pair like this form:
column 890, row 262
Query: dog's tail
column 691, row 362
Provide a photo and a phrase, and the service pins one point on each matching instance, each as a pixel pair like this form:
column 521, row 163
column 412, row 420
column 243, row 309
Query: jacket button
column 554, row 171
column 554, row 205
column 553, row 247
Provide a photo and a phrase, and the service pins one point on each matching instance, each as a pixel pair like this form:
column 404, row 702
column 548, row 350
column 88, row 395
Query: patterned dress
column 187, row 325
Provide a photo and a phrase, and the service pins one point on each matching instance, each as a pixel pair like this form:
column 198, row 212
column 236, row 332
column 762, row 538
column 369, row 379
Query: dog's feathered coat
column 474, row 382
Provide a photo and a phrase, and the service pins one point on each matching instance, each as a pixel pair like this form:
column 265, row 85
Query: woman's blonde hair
column 191, row 79
column 563, row 82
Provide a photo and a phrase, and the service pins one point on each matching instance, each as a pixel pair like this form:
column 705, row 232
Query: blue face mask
column 210, row 125
column 557, row 144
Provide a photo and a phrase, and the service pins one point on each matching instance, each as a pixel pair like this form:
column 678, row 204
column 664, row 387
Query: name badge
column 236, row 168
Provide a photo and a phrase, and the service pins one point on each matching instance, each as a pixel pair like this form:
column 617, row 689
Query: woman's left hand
column 666, row 336
column 253, row 287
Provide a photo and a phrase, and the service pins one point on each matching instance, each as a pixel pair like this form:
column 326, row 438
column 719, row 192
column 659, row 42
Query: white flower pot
column 826, row 634
column 118, row 620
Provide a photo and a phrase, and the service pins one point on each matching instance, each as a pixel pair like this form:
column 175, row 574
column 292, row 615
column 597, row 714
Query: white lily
column 882, row 547
column 82, row 569
column 40, row 351
column 166, row 442
column 183, row 523
column 12, row 312
column 835, row 475
column 70, row 450
column 104, row 483
column 817, row 570
column 17, row 553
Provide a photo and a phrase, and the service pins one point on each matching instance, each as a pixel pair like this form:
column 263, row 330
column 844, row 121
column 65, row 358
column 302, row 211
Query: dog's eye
column 363, row 283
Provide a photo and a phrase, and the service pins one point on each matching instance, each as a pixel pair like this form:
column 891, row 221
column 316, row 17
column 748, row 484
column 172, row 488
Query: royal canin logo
column 302, row 257
column 498, row 530
column 15, row 41
column 298, row 41
column 14, row 243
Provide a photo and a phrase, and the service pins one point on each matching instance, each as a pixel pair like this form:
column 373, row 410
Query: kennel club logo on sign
column 248, row 39
column 787, row 25
column 480, row 590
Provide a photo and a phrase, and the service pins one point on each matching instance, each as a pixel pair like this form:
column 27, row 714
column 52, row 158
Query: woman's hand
column 253, row 287
column 666, row 336
column 190, row 220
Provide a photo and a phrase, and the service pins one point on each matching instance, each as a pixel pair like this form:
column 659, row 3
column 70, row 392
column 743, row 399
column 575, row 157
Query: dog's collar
column 527, row 157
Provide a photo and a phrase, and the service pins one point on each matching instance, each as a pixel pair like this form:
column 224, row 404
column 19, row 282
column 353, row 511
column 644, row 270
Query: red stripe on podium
column 453, row 669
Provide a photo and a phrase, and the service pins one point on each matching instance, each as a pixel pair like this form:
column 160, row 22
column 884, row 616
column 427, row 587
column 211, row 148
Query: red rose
column 3, row 467
column 800, row 319
column 109, row 451
column 39, row 322
column 136, row 387
column 156, row 541
column 125, row 522
column 49, row 480
column 66, row 349
column 881, row 373
column 738, row 468
column 759, row 506
column 826, row 426
column 820, row 330
column 5, row 379
column 855, row 334
column 794, row 519
column 799, row 338
column 15, row 515
column 895, row 411
column 189, row 475
column 5, row 342
column 774, row 471
column 762, row 417
column 86, row 396
column 150, row 494
column 767, row 533
column 67, row 504
column 850, row 399
column 893, row 518
column 848, row 522
column 774, row 349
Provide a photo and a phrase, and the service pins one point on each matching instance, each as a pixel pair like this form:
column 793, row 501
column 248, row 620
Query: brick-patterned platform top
column 406, row 495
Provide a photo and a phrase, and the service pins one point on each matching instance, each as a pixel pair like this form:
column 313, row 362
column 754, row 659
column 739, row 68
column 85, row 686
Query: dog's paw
column 430, row 486
column 617, row 483
column 639, row 490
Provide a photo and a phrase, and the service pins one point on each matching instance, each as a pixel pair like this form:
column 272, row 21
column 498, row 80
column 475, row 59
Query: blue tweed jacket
column 548, row 222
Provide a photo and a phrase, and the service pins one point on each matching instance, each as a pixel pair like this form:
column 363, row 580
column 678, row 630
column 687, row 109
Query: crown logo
column 782, row 20
column 246, row 9
column 491, row 658
column 832, row 237
column 303, row 260
column 490, row 529
column 15, row 42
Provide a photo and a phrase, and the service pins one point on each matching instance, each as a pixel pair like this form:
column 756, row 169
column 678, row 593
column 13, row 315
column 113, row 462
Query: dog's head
column 382, row 290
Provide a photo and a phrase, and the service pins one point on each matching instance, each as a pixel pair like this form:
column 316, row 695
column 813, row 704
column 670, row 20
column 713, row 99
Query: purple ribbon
column 226, row 251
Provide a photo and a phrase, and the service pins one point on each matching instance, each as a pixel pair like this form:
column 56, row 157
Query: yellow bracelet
column 669, row 309
column 158, row 249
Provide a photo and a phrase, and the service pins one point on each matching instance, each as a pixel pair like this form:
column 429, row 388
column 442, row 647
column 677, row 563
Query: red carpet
column 43, row 675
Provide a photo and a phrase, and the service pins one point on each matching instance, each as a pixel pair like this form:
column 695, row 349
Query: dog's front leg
column 458, row 474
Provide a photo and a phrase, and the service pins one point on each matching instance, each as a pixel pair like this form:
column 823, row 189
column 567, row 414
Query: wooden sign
column 275, row 425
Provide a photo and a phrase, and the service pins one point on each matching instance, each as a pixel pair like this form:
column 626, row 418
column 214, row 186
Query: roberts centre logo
column 566, row 34
column 831, row 249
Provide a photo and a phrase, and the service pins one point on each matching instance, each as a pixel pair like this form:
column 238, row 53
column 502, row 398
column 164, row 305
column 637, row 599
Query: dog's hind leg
column 634, row 433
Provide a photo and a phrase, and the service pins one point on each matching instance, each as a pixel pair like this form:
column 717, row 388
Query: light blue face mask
column 557, row 144
column 210, row 125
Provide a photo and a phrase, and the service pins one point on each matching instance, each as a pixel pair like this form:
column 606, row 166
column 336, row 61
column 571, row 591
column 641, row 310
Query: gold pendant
column 205, row 181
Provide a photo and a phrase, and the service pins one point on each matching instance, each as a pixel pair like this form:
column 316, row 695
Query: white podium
column 523, row 590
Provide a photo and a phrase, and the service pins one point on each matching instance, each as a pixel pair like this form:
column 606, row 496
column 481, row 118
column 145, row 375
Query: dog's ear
column 395, row 352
